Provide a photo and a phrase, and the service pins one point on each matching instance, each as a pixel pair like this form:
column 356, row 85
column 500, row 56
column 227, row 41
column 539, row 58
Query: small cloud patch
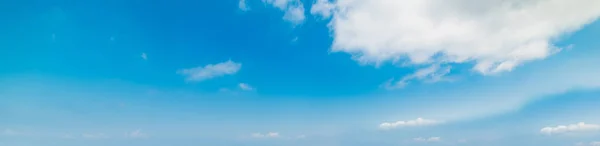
column 410, row 123
column 573, row 128
column 210, row 71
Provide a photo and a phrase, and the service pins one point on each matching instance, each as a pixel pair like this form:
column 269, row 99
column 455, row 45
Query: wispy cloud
column 431, row 74
column 243, row 5
column 144, row 56
column 410, row 123
column 573, row 128
column 266, row 135
column 245, row 87
column 430, row 139
column 294, row 9
column 210, row 71
column 137, row 134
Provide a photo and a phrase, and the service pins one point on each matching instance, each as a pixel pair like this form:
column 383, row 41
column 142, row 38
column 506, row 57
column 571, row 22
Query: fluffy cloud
column 245, row 87
column 210, row 71
column 573, row 128
column 496, row 35
column 409, row 123
column 322, row 8
column 294, row 9
column 431, row 139
column 266, row 135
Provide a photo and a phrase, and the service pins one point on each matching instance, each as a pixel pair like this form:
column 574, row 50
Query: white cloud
column 144, row 56
column 322, row 8
column 243, row 6
column 409, row 123
column 431, row 139
column 94, row 135
column 294, row 9
column 137, row 134
column 573, row 128
column 431, row 74
column 595, row 143
column 245, row 87
column 210, row 71
column 266, row 135
column 496, row 35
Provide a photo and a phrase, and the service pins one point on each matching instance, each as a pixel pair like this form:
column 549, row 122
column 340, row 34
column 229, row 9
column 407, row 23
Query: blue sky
column 299, row 72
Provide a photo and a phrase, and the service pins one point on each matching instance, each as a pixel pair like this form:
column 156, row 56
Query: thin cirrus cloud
column 410, row 123
column 209, row 71
column 431, row 74
column 430, row 139
column 245, row 87
column 572, row 128
column 266, row 135
column 495, row 35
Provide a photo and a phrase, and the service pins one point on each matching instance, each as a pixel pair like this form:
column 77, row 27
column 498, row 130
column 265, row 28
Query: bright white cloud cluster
column 409, row 123
column 431, row 139
column 497, row 35
column 294, row 9
column 210, row 71
column 573, row 128
column 266, row 135
column 245, row 87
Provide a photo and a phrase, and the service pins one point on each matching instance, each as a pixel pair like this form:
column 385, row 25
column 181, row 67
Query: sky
column 300, row 72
